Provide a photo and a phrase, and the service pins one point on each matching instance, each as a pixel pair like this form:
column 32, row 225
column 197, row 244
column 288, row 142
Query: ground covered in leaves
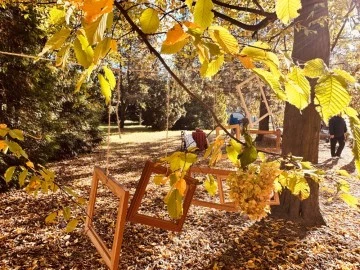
column 210, row 239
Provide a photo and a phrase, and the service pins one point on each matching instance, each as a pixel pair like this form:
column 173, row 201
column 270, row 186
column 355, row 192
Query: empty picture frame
column 111, row 257
column 135, row 217
column 220, row 176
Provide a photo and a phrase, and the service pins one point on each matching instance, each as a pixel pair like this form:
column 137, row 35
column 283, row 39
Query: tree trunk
column 302, row 129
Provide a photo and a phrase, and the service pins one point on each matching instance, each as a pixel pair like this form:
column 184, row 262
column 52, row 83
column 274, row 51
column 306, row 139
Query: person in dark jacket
column 337, row 130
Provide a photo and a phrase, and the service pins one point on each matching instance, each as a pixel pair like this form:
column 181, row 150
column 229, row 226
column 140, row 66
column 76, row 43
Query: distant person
column 200, row 138
column 337, row 130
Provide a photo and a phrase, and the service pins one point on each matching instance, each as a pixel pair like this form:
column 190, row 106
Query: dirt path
column 210, row 239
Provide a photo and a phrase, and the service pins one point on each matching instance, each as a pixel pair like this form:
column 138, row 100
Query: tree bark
column 302, row 129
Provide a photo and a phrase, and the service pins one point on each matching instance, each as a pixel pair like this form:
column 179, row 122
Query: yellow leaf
column 62, row 56
column 173, row 48
column 105, row 88
column 287, row 10
column 349, row 199
column 85, row 75
column 331, row 95
column 95, row 31
column 224, row 38
column 203, row 15
column 30, row 164
column 22, row 177
column 149, row 21
column 296, row 96
column 56, row 15
column 56, row 41
column 9, row 173
column 109, row 75
column 180, row 185
column 343, row 173
column 203, row 53
column 211, row 185
column 246, row 61
column 71, row 225
column 214, row 66
column 101, row 49
column 314, row 68
column 16, row 134
column 189, row 3
column 160, row 179
column 51, row 218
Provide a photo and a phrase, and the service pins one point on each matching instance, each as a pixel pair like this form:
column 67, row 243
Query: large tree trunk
column 302, row 129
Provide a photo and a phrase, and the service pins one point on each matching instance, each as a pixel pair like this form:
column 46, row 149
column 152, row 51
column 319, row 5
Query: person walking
column 337, row 130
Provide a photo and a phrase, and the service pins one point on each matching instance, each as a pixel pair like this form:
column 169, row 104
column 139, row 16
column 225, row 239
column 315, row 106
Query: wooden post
column 110, row 257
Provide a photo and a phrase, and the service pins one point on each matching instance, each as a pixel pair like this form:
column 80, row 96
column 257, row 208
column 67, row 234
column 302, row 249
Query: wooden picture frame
column 220, row 176
column 133, row 215
column 110, row 257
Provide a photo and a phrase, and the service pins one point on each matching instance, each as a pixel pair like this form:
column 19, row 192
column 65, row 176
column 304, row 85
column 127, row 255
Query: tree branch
column 342, row 27
column 249, row 27
column 173, row 75
column 245, row 9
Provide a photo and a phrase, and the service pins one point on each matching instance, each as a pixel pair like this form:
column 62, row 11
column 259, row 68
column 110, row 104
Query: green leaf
column 272, row 81
column 203, row 15
column 349, row 199
column 149, row 21
column 22, row 177
column 16, row 134
column 345, row 75
column 287, row 10
column 224, row 38
column 211, row 185
column 214, row 66
column 105, row 88
column 56, row 41
column 57, row 15
column 9, row 173
column 332, row 97
column 71, row 225
column 51, row 218
column 174, row 204
column 315, row 68
column 248, row 156
column 110, row 77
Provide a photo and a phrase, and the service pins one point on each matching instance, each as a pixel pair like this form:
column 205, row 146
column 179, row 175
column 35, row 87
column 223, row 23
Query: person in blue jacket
column 337, row 130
